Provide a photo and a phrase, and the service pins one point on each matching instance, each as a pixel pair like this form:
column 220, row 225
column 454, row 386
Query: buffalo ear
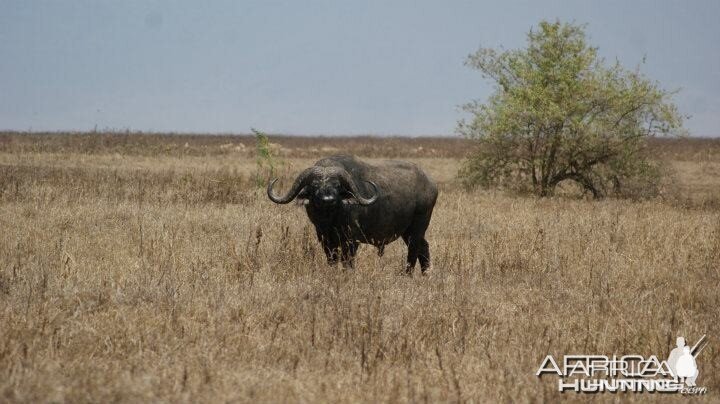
column 348, row 198
column 303, row 197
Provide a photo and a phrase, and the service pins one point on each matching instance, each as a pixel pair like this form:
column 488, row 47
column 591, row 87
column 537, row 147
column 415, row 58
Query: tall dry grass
column 132, row 274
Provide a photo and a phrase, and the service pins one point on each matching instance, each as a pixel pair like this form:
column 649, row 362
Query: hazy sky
column 314, row 67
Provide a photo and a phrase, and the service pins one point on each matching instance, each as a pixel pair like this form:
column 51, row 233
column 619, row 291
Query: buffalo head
column 324, row 187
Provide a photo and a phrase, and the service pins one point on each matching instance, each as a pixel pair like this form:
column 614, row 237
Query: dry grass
column 131, row 270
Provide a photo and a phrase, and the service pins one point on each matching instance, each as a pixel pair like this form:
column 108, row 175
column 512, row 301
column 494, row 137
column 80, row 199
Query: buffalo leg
column 339, row 250
column 381, row 250
column 412, row 255
column 424, row 255
column 348, row 251
column 331, row 247
column 418, row 247
column 332, row 253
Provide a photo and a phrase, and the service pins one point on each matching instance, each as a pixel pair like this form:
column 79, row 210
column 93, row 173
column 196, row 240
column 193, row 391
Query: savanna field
column 151, row 268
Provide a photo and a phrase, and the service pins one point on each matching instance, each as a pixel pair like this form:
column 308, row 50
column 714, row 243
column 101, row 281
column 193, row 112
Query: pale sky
column 314, row 67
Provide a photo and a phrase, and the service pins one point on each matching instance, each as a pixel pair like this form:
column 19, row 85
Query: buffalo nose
column 328, row 198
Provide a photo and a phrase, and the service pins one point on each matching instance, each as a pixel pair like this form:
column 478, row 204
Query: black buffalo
column 352, row 202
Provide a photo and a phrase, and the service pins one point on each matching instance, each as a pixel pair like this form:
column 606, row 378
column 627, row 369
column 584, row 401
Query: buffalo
column 352, row 202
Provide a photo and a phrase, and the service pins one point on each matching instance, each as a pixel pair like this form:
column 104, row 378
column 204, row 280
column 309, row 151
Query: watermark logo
column 629, row 373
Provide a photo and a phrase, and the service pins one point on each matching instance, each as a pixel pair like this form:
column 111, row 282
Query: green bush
column 560, row 113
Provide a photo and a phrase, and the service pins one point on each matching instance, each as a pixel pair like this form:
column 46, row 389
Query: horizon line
column 279, row 134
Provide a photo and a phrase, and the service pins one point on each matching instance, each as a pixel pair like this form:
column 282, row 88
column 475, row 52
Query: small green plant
column 266, row 164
